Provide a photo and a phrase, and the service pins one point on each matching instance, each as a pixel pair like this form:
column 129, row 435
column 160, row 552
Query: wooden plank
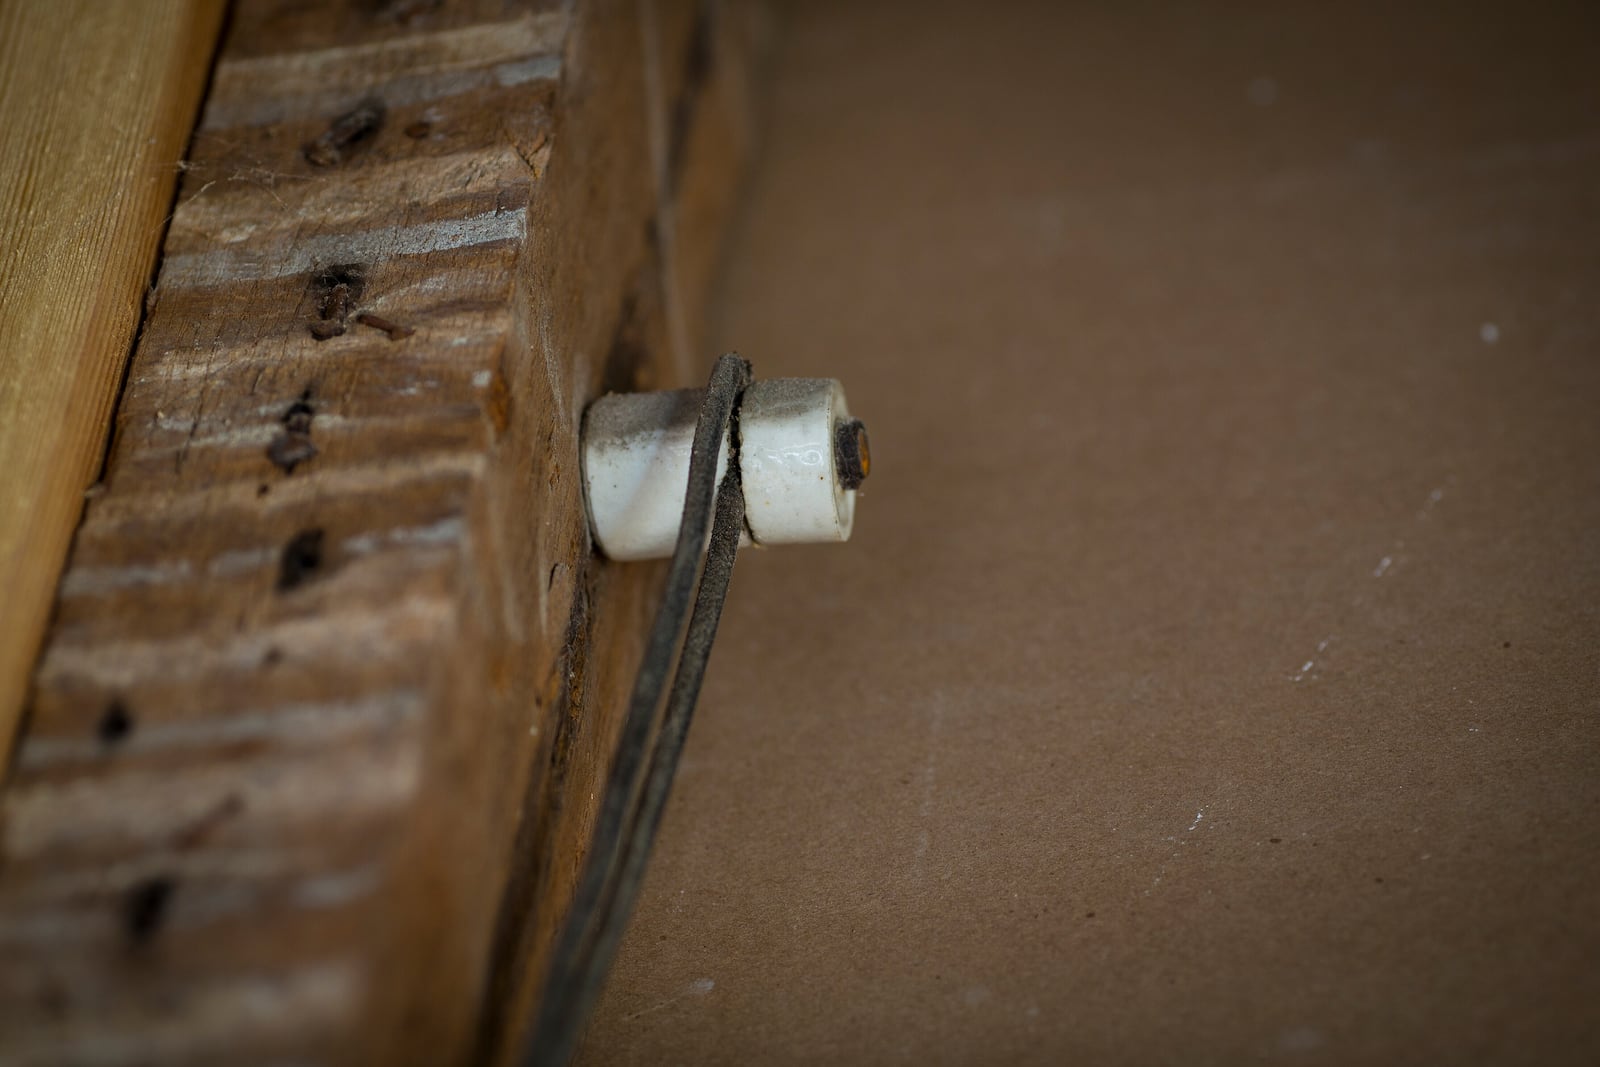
column 99, row 101
column 334, row 675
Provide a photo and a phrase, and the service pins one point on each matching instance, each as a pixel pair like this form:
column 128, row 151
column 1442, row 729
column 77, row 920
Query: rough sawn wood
column 320, row 724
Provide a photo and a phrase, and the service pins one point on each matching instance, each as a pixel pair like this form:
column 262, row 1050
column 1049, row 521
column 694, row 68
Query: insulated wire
column 647, row 754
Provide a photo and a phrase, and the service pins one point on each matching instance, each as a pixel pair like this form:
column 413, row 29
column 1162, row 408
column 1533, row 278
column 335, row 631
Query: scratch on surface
column 698, row 988
column 1305, row 668
column 1385, row 565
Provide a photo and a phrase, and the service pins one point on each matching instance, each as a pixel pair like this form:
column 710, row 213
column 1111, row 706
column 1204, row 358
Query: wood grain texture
column 334, row 676
column 99, row 102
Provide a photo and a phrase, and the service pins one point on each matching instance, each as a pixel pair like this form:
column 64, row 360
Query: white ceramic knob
column 801, row 459
column 793, row 493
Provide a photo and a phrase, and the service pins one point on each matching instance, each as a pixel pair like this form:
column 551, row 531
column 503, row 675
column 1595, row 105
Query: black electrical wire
column 651, row 738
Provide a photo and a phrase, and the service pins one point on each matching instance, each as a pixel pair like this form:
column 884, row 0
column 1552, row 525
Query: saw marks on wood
column 333, row 674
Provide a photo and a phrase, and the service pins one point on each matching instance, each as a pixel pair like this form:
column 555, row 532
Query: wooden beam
column 99, row 100
column 333, row 679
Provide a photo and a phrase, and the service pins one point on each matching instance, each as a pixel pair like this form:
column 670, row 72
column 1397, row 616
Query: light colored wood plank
column 99, row 102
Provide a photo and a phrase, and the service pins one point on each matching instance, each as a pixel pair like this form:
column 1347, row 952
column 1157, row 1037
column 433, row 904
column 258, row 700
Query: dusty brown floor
column 1213, row 674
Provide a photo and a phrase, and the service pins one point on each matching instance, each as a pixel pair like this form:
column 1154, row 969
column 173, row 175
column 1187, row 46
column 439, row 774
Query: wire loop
column 651, row 739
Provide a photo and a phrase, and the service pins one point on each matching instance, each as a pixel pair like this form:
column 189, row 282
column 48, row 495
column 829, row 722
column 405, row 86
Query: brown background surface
column 1212, row 675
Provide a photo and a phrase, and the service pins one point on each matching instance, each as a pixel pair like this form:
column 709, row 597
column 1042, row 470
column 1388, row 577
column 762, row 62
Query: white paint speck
column 1489, row 332
column 1201, row 814
column 481, row 379
column 1383, row 566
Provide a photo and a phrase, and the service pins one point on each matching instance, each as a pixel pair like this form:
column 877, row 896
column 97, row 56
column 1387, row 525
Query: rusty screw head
column 851, row 455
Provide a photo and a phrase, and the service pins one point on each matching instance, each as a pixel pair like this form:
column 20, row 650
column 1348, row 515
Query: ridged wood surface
column 331, row 686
